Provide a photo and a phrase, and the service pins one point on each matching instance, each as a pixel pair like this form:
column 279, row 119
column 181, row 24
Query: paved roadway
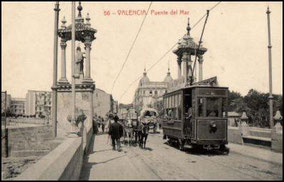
column 159, row 161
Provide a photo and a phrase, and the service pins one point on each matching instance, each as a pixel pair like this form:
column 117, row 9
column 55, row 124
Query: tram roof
column 196, row 86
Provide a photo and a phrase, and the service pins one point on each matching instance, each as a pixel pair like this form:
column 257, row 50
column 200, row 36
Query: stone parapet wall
column 22, row 141
column 234, row 135
column 63, row 163
column 260, row 136
column 29, row 138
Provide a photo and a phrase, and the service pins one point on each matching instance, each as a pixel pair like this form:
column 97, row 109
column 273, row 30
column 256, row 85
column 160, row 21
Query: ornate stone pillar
column 63, row 78
column 179, row 66
column 185, row 65
column 88, row 62
column 200, row 60
column 189, row 67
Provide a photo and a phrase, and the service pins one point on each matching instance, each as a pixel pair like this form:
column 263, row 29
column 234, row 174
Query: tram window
column 176, row 100
column 212, row 109
column 223, row 107
column 200, row 106
column 179, row 112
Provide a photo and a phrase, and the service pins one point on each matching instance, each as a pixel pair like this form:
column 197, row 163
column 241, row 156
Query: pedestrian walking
column 95, row 126
column 103, row 125
column 115, row 131
column 99, row 121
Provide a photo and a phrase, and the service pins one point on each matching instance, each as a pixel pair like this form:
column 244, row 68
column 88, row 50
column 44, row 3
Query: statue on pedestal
column 79, row 62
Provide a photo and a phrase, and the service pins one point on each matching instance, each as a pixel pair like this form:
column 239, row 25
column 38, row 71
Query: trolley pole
column 55, row 53
column 270, row 71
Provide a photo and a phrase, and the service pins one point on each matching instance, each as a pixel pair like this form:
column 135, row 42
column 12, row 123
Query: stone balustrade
column 271, row 138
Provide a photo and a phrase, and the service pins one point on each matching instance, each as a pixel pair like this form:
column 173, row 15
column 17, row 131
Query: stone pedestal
column 84, row 102
column 277, row 138
column 244, row 129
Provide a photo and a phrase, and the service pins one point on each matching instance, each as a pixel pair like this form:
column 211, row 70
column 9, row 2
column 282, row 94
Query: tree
column 256, row 105
column 236, row 102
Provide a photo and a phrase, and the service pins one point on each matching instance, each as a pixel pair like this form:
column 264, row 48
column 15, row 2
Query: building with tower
column 149, row 92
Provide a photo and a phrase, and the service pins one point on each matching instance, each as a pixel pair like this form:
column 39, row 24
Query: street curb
column 257, row 158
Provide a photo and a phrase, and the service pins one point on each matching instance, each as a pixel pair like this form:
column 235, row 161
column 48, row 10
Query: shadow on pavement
column 87, row 166
column 99, row 151
column 197, row 150
column 148, row 148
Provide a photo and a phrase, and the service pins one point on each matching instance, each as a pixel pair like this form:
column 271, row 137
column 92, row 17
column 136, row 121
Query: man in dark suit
column 115, row 131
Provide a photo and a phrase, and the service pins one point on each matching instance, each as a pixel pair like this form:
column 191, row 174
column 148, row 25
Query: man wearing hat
column 95, row 125
column 115, row 130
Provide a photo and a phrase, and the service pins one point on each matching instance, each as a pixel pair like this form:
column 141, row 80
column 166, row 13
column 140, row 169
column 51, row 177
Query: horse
column 143, row 134
column 128, row 130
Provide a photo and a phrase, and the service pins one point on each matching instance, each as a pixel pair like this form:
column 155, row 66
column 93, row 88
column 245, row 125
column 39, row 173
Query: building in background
column 17, row 106
column 115, row 106
column 103, row 103
column 149, row 92
column 38, row 103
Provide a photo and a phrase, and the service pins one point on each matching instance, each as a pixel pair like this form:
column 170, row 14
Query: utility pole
column 270, row 71
column 73, row 67
column 54, row 85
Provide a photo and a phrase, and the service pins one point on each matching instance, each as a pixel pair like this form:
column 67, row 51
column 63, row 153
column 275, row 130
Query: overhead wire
column 139, row 30
column 169, row 50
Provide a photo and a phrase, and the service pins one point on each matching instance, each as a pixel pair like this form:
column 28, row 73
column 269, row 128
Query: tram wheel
column 224, row 149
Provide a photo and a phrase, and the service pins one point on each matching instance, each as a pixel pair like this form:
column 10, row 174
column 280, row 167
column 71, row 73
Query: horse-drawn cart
column 149, row 116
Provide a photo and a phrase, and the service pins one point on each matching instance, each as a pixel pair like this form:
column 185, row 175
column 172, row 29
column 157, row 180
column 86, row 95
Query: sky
column 236, row 37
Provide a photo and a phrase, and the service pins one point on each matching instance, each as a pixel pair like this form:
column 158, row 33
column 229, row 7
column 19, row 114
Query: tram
column 196, row 115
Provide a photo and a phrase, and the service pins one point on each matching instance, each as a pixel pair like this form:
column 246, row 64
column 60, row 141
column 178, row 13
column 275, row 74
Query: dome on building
column 144, row 79
column 168, row 78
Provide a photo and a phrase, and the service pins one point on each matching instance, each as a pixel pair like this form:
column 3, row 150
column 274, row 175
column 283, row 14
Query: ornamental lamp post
column 270, row 71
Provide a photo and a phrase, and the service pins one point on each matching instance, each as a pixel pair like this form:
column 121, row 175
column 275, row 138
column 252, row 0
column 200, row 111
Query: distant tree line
column 256, row 105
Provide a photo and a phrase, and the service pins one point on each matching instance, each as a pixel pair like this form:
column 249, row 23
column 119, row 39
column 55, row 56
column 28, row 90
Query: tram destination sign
column 212, row 92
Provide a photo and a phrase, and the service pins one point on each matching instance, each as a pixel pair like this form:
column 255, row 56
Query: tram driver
column 188, row 120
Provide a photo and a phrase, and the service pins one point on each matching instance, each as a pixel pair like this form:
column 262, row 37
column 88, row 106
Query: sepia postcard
column 129, row 90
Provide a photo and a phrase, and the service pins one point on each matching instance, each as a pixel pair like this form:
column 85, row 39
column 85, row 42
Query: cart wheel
column 180, row 144
column 170, row 141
